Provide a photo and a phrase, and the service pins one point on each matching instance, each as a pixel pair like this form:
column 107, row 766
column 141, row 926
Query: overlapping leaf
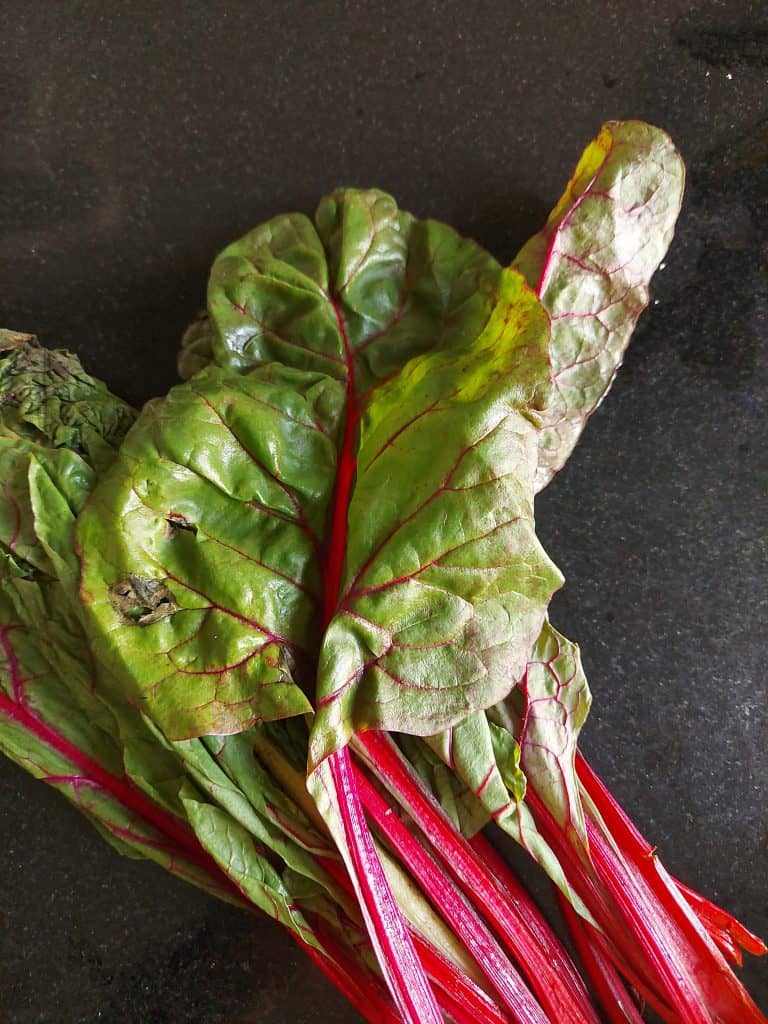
column 57, row 718
column 215, row 608
column 223, row 768
column 529, row 739
column 45, row 395
column 591, row 266
column 52, row 720
column 546, row 714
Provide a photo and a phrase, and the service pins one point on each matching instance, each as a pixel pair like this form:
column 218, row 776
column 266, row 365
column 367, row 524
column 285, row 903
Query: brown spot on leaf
column 142, row 602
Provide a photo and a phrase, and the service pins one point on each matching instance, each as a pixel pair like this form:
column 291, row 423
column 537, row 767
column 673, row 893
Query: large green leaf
column 591, row 265
column 390, row 333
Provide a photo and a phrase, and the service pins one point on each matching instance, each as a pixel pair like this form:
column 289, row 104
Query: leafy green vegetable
column 215, row 622
column 424, row 614
column 443, row 589
column 221, row 490
column 52, row 721
column 58, row 715
column 328, row 531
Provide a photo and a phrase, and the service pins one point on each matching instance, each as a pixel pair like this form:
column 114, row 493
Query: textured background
column 138, row 138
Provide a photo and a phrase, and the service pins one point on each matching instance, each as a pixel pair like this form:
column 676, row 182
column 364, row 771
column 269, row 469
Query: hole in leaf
column 141, row 601
column 176, row 521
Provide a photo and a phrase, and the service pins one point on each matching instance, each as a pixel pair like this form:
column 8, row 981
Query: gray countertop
column 138, row 138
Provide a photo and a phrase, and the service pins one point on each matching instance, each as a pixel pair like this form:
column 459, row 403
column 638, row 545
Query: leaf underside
column 591, row 266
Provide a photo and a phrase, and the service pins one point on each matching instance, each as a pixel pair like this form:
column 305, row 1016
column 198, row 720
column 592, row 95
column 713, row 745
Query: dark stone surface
column 138, row 138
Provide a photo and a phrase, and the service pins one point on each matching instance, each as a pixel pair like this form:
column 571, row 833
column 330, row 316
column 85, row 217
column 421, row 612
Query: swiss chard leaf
column 530, row 738
column 591, row 265
column 445, row 583
column 486, row 756
column 424, row 615
column 56, row 716
column 57, row 425
column 451, row 791
column 205, row 603
column 223, row 768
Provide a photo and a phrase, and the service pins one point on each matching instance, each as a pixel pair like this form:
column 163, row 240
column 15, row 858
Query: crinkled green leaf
column 44, row 487
column 46, row 395
column 57, row 425
column 364, row 275
column 24, row 465
column 591, row 266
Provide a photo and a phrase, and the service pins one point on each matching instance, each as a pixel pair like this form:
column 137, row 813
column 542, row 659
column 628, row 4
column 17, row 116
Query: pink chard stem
column 618, row 1005
column 447, row 978
column 700, row 963
column 473, row 877
column 454, row 908
column 389, row 934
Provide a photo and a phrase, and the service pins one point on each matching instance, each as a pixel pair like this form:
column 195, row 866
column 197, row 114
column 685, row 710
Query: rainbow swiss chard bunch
column 288, row 633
